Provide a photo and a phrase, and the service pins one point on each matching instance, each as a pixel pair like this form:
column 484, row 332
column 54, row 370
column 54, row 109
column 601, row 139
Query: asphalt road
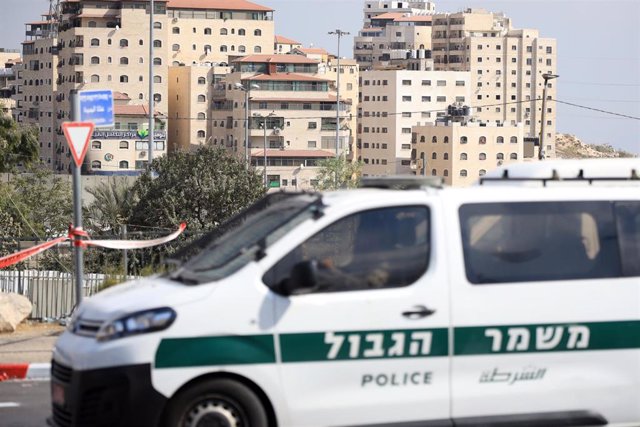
column 24, row 403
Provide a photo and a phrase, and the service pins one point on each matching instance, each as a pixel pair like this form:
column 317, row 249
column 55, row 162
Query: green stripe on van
column 212, row 351
column 546, row 338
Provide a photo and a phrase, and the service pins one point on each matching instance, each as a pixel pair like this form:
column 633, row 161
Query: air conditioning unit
column 174, row 20
column 142, row 154
column 276, row 131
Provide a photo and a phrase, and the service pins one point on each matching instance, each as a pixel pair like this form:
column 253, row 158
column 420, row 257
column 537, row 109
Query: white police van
column 514, row 302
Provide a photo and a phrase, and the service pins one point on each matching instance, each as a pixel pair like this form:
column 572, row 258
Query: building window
column 463, row 172
column 463, row 140
column 482, row 172
column 95, row 42
column 157, row 25
column 201, row 134
column 124, row 145
column 96, row 145
column 202, row 116
column 446, row 172
column 311, row 144
column 157, row 79
column 434, row 172
column 426, row 83
column 482, row 140
column 207, row 31
column 257, row 33
column 242, row 49
column 499, row 156
column 202, row 98
column 223, row 48
column 157, row 43
column 514, row 140
column 463, row 156
column 124, row 61
column 500, row 140
column 157, row 61
column 223, row 31
column 482, row 156
column 434, row 139
column 257, row 49
column 175, row 30
column 157, row 97
column 426, row 99
column 95, row 60
column 124, row 79
column 434, row 156
column 96, row 164
column 123, row 164
column 95, row 78
column 202, row 81
column 513, row 156
column 124, row 43
column 241, row 32
column 312, row 125
column 446, row 140
column 92, row 24
column 446, row 156
column 406, row 83
column 406, row 99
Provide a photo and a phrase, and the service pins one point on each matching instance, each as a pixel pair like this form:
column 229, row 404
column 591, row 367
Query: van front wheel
column 216, row 403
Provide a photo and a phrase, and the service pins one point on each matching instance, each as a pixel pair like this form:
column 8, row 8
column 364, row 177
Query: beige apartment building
column 462, row 152
column 373, row 8
column 291, row 110
column 9, row 59
column 506, row 66
column 392, row 102
column 393, row 40
column 283, row 45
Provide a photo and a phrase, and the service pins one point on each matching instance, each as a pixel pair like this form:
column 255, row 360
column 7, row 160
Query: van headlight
column 142, row 322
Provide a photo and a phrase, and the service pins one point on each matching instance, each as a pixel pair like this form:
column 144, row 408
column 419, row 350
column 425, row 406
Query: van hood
column 138, row 295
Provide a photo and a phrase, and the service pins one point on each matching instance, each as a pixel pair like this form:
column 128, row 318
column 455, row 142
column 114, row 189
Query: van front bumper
column 109, row 397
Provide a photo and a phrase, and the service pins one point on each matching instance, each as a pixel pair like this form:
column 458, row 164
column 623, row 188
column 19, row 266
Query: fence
column 52, row 293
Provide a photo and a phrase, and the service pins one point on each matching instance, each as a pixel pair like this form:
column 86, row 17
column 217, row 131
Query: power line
column 598, row 110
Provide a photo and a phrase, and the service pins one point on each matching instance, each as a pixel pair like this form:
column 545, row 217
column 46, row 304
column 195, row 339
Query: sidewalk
column 27, row 352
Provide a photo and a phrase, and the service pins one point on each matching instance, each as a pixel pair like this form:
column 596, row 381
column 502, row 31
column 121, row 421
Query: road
column 24, row 403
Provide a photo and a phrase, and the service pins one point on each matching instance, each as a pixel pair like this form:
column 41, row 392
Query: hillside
column 570, row 147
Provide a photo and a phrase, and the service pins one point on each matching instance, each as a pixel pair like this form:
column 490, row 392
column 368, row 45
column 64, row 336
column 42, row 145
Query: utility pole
column 546, row 78
column 338, row 33
column 151, row 95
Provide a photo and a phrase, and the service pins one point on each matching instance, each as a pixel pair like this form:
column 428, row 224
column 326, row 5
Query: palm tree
column 111, row 207
column 18, row 144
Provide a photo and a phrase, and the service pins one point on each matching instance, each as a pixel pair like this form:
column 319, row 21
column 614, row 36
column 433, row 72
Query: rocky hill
column 570, row 147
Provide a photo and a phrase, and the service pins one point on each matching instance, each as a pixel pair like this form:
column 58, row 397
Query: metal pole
column 424, row 163
column 77, row 210
column 544, row 107
column 151, row 100
column 338, row 102
column 264, row 126
column 125, row 255
column 246, row 126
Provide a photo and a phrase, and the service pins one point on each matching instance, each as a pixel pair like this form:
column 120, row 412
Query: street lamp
column 247, row 92
column 338, row 33
column 151, row 90
column 264, row 146
column 546, row 78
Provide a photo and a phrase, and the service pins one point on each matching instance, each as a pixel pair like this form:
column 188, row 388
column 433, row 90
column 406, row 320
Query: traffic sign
column 96, row 106
column 78, row 135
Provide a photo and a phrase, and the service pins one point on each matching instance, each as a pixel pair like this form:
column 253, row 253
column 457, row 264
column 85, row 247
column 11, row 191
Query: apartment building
column 507, row 67
column 463, row 151
column 393, row 40
column 9, row 58
column 292, row 115
column 36, row 82
column 373, row 8
column 283, row 45
column 394, row 101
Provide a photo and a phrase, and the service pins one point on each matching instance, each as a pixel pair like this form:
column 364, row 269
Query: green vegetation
column 18, row 144
column 348, row 174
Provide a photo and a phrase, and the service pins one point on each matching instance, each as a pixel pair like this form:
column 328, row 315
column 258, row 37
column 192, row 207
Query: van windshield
column 239, row 245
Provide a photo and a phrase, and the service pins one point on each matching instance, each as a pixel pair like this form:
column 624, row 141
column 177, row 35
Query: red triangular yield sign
column 78, row 135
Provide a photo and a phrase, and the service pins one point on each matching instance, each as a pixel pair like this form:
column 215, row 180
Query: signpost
column 89, row 109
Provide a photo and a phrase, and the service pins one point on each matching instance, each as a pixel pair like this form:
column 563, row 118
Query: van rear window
column 524, row 242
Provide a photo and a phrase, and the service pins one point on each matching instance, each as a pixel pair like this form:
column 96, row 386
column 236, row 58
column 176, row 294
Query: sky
column 598, row 50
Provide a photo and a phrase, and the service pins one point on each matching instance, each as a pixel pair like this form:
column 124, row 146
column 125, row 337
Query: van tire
column 221, row 400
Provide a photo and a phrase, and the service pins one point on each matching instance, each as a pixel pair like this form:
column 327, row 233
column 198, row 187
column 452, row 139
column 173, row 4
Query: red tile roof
column 119, row 96
column 389, row 16
column 278, row 59
column 294, row 153
column 289, row 77
column 313, row 50
column 217, row 4
column 132, row 110
column 284, row 40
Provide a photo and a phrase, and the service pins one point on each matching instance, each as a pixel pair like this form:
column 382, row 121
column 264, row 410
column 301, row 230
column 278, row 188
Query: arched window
column 96, row 164
column 95, row 42
column 124, row 61
column 123, row 164
column 202, row 81
column 463, row 140
column 124, row 145
column 446, row 139
column 482, row 172
column 207, row 48
column 223, row 48
column 157, row 43
column 500, row 140
column 422, row 138
column 124, row 79
column 463, row 172
column 157, row 61
column 157, row 25
column 207, row 31
column 95, row 60
column 482, row 156
column 434, row 172
column 223, row 31
column 124, row 43
column 434, row 139
column 241, row 32
column 157, row 97
column 446, row 156
column 201, row 134
column 157, row 79
column 499, row 156
column 202, row 116
column 92, row 24
column 514, row 140
column 95, row 78
column 175, row 30
column 175, row 47
column 482, row 140
column 96, row 145
column 446, row 172
column 140, row 96
column 202, row 98
column 242, row 49
column 513, row 156
column 463, row 156
column 257, row 32
column 434, row 156
column 257, row 49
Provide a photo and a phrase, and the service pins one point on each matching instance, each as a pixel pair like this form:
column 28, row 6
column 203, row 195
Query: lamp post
column 247, row 93
column 338, row 33
column 546, row 78
column 264, row 146
column 151, row 96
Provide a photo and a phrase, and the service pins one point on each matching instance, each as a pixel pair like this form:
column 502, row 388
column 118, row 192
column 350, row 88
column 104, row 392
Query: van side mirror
column 302, row 279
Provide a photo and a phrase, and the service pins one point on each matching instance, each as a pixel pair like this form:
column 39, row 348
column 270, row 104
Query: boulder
column 14, row 309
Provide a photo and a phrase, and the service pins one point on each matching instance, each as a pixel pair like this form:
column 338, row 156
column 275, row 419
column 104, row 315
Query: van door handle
column 418, row 312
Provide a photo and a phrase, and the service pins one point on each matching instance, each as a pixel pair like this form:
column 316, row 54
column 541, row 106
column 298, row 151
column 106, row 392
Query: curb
column 25, row 371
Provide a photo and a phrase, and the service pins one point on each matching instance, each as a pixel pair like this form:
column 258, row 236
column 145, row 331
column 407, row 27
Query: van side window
column 628, row 215
column 527, row 242
column 381, row 248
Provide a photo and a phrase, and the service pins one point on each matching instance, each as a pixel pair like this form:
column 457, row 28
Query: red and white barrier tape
column 75, row 233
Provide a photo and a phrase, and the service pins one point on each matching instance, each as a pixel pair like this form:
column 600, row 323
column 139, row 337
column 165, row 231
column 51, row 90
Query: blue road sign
column 96, row 106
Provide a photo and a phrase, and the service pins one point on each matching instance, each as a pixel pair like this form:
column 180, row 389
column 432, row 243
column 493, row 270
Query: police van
column 512, row 302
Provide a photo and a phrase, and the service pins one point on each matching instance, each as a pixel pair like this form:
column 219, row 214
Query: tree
column 348, row 174
column 111, row 207
column 18, row 144
column 203, row 188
